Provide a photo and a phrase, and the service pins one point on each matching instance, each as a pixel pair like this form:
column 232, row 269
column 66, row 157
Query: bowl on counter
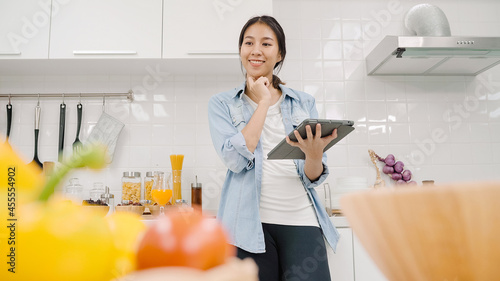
column 154, row 209
column 130, row 208
column 447, row 232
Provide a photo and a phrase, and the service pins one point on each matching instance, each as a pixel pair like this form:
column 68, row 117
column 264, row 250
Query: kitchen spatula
column 77, row 144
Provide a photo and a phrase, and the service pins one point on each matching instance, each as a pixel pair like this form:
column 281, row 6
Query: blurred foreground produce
column 127, row 229
column 46, row 237
column 25, row 180
column 63, row 241
column 184, row 239
column 233, row 270
column 91, row 156
column 53, row 239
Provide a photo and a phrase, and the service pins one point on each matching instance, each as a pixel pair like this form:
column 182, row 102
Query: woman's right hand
column 258, row 90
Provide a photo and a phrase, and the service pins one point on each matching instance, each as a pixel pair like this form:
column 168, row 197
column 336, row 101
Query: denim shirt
column 228, row 113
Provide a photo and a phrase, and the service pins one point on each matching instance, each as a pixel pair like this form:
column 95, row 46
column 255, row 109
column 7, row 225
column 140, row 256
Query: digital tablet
column 285, row 151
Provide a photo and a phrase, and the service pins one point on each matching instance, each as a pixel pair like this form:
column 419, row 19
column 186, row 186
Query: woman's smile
column 256, row 63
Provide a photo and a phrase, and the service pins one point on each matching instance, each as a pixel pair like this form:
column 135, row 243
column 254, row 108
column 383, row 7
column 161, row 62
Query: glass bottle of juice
column 162, row 191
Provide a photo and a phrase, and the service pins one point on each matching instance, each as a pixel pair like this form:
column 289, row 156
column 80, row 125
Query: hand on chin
column 256, row 75
column 258, row 88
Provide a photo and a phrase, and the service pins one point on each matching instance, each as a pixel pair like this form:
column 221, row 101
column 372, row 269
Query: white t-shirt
column 283, row 199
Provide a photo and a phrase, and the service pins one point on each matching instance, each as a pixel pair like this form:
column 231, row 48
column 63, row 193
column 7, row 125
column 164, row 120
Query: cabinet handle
column 212, row 53
column 10, row 53
column 103, row 52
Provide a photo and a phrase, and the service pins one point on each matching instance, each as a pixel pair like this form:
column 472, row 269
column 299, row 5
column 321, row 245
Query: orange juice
column 162, row 196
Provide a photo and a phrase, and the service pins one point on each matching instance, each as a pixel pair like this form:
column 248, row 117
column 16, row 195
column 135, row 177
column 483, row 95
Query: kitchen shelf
column 129, row 96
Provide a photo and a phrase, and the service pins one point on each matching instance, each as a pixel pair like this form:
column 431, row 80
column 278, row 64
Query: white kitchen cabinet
column 24, row 29
column 341, row 263
column 107, row 29
column 207, row 29
column 365, row 268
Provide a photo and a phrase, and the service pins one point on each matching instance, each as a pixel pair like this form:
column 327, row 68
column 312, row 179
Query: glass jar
column 148, row 185
column 74, row 191
column 131, row 187
column 108, row 198
column 96, row 191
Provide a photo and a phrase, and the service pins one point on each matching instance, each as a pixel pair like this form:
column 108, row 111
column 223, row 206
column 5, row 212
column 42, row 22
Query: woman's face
column 259, row 51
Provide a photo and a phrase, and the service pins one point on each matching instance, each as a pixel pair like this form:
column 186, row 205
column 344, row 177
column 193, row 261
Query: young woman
column 270, row 207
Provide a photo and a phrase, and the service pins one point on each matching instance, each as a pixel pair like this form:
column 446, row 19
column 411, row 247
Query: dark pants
column 293, row 253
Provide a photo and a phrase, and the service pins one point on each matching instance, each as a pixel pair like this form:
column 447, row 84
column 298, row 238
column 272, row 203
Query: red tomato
column 184, row 239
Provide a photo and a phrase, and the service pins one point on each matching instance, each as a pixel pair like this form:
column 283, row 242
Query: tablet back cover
column 285, row 151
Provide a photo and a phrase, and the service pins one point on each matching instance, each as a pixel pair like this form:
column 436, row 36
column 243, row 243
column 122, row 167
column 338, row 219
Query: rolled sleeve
column 312, row 184
column 247, row 158
column 228, row 141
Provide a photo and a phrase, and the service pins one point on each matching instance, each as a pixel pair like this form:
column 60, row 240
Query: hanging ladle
column 37, row 130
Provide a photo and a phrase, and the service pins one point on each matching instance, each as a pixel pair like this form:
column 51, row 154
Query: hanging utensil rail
column 129, row 95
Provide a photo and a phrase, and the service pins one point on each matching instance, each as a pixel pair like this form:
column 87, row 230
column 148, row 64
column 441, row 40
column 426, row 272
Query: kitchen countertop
column 337, row 220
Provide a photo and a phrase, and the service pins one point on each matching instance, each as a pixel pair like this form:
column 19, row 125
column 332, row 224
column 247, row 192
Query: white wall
column 327, row 43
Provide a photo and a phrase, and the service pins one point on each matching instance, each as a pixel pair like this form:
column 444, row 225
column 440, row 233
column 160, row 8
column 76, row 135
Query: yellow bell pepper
column 19, row 183
column 126, row 229
column 63, row 241
column 53, row 239
column 16, row 177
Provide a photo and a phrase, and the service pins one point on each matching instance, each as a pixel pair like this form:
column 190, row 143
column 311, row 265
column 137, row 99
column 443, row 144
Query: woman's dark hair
column 280, row 36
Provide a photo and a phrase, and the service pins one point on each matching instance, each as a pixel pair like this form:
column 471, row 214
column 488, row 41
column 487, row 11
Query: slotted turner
column 77, row 144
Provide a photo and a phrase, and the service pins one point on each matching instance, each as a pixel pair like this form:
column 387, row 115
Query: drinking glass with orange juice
column 162, row 190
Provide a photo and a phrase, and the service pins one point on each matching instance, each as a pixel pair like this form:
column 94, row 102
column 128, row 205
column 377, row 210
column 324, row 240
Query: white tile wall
column 443, row 128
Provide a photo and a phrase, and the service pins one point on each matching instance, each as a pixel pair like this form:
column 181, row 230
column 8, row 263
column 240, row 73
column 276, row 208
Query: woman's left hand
column 312, row 145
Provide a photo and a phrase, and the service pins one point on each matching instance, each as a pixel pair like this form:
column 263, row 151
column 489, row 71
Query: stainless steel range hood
column 438, row 56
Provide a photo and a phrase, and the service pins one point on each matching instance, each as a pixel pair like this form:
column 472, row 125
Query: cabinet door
column 201, row 28
column 365, row 268
column 107, row 29
column 341, row 263
column 24, row 29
